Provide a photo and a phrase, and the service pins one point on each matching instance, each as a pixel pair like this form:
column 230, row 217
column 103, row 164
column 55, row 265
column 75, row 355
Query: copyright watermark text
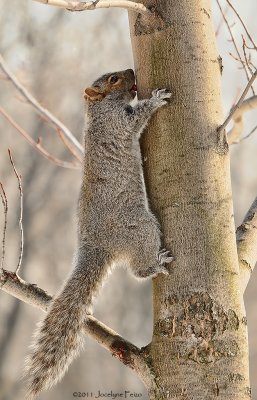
column 127, row 394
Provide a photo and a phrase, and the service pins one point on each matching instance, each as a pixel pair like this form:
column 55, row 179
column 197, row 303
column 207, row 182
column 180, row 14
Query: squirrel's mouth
column 133, row 90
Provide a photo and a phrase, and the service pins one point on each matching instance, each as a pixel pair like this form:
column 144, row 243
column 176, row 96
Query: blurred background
column 56, row 54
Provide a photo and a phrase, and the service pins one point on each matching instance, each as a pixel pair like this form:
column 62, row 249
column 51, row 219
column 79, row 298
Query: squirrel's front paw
column 161, row 95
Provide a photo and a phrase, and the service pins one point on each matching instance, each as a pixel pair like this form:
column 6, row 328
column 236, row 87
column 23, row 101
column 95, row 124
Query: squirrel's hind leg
column 146, row 257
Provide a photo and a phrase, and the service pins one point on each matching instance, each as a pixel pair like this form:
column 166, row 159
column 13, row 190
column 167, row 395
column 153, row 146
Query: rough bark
column 199, row 348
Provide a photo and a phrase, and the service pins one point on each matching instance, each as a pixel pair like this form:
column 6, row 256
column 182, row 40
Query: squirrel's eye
column 113, row 79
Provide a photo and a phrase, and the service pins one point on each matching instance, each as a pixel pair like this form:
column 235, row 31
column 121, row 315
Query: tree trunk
column 199, row 348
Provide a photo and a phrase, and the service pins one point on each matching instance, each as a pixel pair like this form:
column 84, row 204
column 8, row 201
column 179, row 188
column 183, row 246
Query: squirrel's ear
column 92, row 94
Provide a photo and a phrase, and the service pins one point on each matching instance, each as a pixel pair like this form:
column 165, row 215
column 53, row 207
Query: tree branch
column 235, row 133
column 37, row 145
column 69, row 146
column 18, row 176
column 129, row 354
column 93, row 5
column 41, row 110
column 5, row 205
column 233, row 40
column 242, row 23
column 247, row 244
column 223, row 14
column 238, row 104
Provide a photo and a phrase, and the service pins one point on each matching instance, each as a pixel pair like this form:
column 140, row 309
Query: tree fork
column 199, row 348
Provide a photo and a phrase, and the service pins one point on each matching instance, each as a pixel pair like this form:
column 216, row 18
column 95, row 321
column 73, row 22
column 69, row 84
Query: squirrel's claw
column 165, row 257
column 162, row 94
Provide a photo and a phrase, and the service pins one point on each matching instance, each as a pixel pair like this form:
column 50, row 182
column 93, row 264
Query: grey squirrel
column 115, row 225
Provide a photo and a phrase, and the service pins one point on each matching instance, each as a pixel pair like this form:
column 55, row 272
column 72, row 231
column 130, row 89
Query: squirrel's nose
column 131, row 72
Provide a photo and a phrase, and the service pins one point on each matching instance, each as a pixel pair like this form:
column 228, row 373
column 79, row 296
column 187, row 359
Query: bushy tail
column 58, row 338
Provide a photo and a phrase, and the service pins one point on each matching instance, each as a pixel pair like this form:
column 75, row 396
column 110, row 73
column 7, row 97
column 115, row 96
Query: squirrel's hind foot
column 164, row 257
column 152, row 272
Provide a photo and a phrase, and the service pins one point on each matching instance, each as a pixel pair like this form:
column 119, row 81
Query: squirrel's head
column 114, row 86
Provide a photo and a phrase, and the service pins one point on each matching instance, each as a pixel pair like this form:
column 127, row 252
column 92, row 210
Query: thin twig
column 237, row 59
column 238, row 118
column 247, row 63
column 248, row 47
column 247, row 60
column 233, row 40
column 93, row 5
column 5, row 205
column 238, row 104
column 71, row 148
column 251, row 63
column 37, row 145
column 68, row 145
column 21, row 212
column 249, row 134
column 242, row 22
column 221, row 21
column 41, row 110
